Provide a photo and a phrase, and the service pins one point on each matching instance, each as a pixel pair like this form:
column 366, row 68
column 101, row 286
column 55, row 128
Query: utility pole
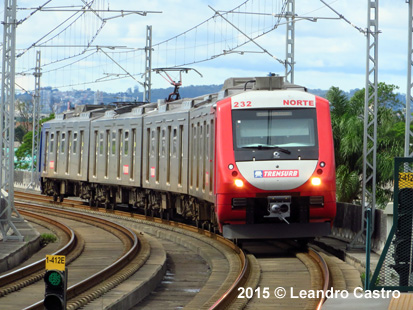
column 370, row 121
column 289, row 42
column 408, row 133
column 7, row 125
column 36, row 124
column 148, row 65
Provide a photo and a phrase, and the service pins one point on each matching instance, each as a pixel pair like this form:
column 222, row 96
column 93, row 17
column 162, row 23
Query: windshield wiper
column 282, row 150
column 266, row 146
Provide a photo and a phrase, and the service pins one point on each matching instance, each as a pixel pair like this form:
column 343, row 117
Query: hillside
column 56, row 100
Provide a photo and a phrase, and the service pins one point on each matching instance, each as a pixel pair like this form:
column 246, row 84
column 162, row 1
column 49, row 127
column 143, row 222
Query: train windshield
column 282, row 129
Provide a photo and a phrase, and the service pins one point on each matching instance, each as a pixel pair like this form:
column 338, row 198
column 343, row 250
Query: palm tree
column 347, row 135
column 347, row 122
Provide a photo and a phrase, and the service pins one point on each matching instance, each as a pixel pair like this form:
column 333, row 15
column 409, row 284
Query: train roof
column 231, row 86
column 234, row 86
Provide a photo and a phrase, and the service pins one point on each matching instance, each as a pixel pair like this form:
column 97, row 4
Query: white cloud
column 327, row 52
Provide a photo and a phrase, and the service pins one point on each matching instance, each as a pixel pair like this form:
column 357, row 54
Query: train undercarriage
column 166, row 205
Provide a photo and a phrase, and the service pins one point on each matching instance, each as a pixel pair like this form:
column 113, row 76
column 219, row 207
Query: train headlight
column 239, row 183
column 316, row 181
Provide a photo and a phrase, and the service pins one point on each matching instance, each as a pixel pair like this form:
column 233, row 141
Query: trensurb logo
column 276, row 173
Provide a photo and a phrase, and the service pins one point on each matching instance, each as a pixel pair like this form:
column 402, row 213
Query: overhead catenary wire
column 200, row 43
column 363, row 31
column 35, row 11
column 248, row 37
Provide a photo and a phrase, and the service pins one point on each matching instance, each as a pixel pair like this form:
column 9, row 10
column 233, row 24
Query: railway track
column 246, row 274
column 73, row 245
column 88, row 284
column 225, row 285
column 280, row 271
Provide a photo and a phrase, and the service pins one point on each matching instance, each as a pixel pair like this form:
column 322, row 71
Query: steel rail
column 229, row 295
column 132, row 249
column 37, row 266
column 325, row 274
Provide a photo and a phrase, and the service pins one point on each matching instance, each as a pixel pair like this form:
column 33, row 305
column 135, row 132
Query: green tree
column 19, row 133
column 347, row 145
column 24, row 152
column 348, row 129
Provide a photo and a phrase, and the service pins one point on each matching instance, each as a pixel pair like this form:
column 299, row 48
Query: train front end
column 275, row 173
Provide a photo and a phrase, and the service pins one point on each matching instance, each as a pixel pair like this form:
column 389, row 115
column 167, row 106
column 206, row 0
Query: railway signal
column 55, row 283
column 55, row 292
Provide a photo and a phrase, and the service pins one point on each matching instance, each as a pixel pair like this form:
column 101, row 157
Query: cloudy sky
column 327, row 52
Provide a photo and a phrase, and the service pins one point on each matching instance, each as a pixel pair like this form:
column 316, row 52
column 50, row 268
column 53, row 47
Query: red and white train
column 255, row 160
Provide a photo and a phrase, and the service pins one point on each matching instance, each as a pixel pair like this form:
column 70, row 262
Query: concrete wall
column 22, row 179
column 348, row 223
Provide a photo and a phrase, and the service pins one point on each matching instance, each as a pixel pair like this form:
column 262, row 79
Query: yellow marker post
column 55, row 262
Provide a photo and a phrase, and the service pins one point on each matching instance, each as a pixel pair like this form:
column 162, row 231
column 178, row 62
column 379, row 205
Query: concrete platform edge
column 18, row 252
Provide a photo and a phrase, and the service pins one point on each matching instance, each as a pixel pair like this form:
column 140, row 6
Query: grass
column 45, row 239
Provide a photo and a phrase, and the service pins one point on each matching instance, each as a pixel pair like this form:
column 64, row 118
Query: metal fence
column 394, row 269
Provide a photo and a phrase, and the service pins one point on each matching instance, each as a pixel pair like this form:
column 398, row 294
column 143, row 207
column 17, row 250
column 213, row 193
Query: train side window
column 163, row 143
column 126, row 149
column 81, row 143
column 95, row 153
column 101, row 145
column 132, row 162
column 168, row 154
column 205, row 154
column 57, row 150
column 158, row 155
column 198, row 154
column 69, row 136
column 107, row 153
column 74, row 143
column 180, row 153
column 148, row 143
column 119, row 152
column 62, row 149
column 194, row 157
column 51, row 149
column 174, row 143
column 211, row 156
column 113, row 142
column 153, row 143
column 46, row 153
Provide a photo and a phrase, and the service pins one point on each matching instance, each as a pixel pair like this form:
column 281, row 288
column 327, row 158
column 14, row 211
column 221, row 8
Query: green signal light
column 54, row 278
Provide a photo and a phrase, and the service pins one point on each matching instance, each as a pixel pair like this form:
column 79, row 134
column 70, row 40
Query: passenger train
column 254, row 161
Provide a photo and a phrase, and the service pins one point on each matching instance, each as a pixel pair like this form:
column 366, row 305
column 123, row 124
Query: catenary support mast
column 36, row 124
column 370, row 121
column 7, row 228
column 289, row 48
column 148, row 65
column 409, row 133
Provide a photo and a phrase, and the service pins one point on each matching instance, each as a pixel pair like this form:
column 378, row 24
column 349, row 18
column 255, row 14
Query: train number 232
column 241, row 104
